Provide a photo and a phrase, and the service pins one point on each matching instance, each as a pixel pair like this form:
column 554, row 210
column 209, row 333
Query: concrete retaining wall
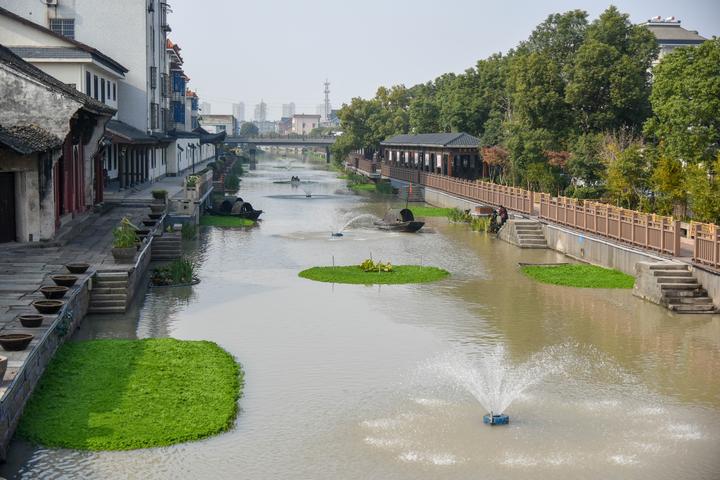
column 595, row 250
column 22, row 386
column 710, row 282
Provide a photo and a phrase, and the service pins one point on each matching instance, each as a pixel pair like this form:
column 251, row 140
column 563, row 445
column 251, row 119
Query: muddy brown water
column 335, row 385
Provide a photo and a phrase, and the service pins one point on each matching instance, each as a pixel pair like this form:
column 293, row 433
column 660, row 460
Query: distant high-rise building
column 205, row 108
column 239, row 111
column 288, row 109
column 320, row 110
column 261, row 111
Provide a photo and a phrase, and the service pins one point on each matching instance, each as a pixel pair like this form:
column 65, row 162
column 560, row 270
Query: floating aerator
column 492, row 419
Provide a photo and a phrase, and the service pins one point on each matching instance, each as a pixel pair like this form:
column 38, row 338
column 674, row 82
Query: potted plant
column 124, row 239
column 159, row 196
column 191, row 182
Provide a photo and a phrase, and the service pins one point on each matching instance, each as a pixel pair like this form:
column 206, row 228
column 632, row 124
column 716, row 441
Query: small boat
column 236, row 208
column 399, row 221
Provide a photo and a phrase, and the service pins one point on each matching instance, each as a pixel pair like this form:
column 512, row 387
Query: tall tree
column 609, row 81
column 686, row 101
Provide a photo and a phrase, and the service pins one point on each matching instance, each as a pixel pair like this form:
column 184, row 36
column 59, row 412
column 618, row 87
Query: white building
column 218, row 123
column 670, row 35
column 205, row 108
column 288, row 109
column 134, row 33
column 303, row 124
column 260, row 112
column 238, row 111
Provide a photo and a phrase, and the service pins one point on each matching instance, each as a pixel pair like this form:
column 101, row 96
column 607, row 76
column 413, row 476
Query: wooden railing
column 361, row 163
column 651, row 232
column 512, row 198
column 706, row 249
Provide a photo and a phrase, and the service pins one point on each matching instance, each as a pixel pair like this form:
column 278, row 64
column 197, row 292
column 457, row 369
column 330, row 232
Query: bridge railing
column 706, row 248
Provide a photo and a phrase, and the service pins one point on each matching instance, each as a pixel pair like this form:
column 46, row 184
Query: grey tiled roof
column 9, row 58
column 128, row 132
column 27, row 139
column 49, row 52
column 433, row 140
column 673, row 32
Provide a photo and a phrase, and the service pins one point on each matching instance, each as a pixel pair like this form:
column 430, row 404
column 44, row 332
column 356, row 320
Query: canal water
column 352, row 382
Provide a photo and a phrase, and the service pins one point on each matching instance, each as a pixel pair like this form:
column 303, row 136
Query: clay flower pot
column 3, row 367
column 53, row 293
column 31, row 320
column 64, row 280
column 77, row 267
column 15, row 342
column 124, row 255
column 157, row 207
column 48, row 307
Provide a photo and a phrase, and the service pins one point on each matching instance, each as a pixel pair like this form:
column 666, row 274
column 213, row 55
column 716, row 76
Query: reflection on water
column 334, row 387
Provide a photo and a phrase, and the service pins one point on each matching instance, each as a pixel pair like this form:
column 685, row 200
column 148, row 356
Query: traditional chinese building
column 453, row 154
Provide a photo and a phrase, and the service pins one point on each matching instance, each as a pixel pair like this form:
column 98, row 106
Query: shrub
column 460, row 216
column 370, row 266
column 191, row 181
column 177, row 272
column 232, row 182
column 124, row 235
column 159, row 194
column 480, row 224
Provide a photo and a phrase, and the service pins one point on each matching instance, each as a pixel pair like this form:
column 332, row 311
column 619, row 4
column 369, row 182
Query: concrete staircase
column 530, row 234
column 109, row 292
column 672, row 285
column 681, row 291
column 168, row 246
column 523, row 233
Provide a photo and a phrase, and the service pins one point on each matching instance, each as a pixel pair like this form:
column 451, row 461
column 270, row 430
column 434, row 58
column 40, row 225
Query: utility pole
column 327, row 100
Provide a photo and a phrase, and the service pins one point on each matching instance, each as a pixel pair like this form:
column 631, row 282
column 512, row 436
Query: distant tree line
column 576, row 109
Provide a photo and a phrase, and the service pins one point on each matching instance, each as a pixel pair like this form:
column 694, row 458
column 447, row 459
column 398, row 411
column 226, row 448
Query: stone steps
column 167, row 247
column 109, row 293
column 681, row 291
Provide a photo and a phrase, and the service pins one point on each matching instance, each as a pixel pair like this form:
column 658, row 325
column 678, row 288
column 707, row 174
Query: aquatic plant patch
column 579, row 275
column 430, row 211
column 224, row 221
column 355, row 274
column 129, row 394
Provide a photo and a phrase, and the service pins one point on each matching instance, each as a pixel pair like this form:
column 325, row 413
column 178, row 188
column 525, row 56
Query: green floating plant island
column 430, row 211
column 129, row 394
column 354, row 274
column 579, row 275
column 224, row 221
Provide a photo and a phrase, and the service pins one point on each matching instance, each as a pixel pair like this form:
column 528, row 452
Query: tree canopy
column 566, row 111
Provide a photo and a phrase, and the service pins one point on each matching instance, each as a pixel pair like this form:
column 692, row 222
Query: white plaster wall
column 118, row 29
column 22, row 98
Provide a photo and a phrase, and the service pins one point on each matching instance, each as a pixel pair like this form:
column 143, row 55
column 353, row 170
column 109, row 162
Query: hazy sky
column 282, row 50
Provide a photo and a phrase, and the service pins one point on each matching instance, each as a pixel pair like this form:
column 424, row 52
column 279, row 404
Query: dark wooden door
column 7, row 207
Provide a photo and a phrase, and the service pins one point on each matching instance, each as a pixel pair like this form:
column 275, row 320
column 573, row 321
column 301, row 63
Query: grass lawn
column 579, row 275
column 128, row 394
column 430, row 211
column 363, row 187
column 355, row 275
column 222, row 221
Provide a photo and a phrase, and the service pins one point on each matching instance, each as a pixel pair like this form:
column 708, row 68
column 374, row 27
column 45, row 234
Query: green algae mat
column 355, row 275
column 430, row 211
column 224, row 221
column 129, row 394
column 579, row 275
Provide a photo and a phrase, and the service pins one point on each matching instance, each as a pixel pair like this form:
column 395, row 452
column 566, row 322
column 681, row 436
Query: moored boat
column 399, row 221
column 230, row 207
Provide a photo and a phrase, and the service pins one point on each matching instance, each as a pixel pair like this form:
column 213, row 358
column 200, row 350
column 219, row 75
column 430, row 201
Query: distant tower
column 326, row 112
